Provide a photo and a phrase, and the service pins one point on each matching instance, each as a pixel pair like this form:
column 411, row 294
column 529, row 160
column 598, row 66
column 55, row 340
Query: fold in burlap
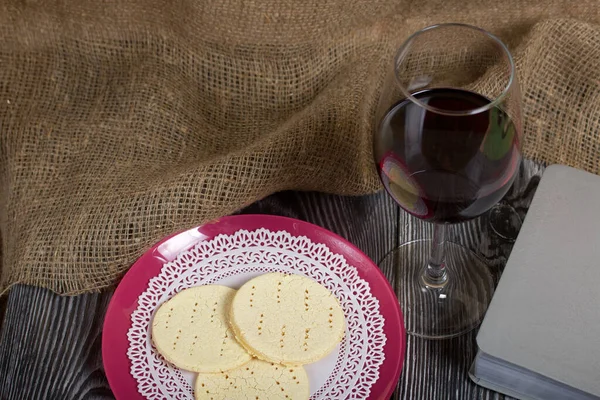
column 121, row 123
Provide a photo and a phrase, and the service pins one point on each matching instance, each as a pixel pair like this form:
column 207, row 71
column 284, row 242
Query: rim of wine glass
column 404, row 47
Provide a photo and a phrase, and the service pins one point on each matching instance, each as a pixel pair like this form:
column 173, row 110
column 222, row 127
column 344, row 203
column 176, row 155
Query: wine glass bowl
column 447, row 149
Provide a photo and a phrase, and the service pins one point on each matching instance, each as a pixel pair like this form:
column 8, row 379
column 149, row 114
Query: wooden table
column 50, row 346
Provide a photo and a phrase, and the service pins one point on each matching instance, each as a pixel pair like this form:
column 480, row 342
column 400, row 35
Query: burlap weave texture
column 126, row 121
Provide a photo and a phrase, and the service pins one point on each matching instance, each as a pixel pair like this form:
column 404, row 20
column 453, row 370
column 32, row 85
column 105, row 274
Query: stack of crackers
column 250, row 343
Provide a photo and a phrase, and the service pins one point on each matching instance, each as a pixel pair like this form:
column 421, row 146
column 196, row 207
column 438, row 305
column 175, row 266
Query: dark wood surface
column 50, row 346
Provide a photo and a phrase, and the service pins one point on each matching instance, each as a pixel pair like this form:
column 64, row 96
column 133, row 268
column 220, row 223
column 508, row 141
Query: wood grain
column 50, row 346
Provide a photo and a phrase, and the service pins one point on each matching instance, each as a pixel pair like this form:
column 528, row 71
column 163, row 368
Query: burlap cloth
column 123, row 122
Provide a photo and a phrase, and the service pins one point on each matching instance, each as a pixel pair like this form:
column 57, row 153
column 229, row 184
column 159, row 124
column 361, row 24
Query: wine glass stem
column 435, row 275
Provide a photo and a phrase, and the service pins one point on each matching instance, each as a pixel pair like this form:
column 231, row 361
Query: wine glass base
column 440, row 312
column 505, row 222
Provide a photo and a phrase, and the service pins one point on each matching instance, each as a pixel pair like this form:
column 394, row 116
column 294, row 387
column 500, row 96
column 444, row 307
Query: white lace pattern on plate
column 360, row 353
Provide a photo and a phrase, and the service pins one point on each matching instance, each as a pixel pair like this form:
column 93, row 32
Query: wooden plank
column 3, row 300
column 50, row 345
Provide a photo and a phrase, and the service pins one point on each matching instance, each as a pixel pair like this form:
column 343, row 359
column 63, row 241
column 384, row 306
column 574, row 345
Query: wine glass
column 447, row 149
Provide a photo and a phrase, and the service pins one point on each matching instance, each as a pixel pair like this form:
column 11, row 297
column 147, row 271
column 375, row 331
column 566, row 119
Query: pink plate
column 375, row 339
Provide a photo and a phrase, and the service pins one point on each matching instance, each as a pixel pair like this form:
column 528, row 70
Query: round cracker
column 191, row 330
column 287, row 319
column 256, row 380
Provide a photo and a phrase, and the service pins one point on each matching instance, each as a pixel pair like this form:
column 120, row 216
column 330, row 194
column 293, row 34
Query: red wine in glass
column 446, row 168
column 446, row 154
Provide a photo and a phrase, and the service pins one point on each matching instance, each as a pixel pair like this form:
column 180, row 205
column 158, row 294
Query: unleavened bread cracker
column 257, row 380
column 286, row 319
column 191, row 330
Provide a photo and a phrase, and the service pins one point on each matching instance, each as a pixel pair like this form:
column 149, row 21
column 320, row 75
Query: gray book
column 540, row 338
